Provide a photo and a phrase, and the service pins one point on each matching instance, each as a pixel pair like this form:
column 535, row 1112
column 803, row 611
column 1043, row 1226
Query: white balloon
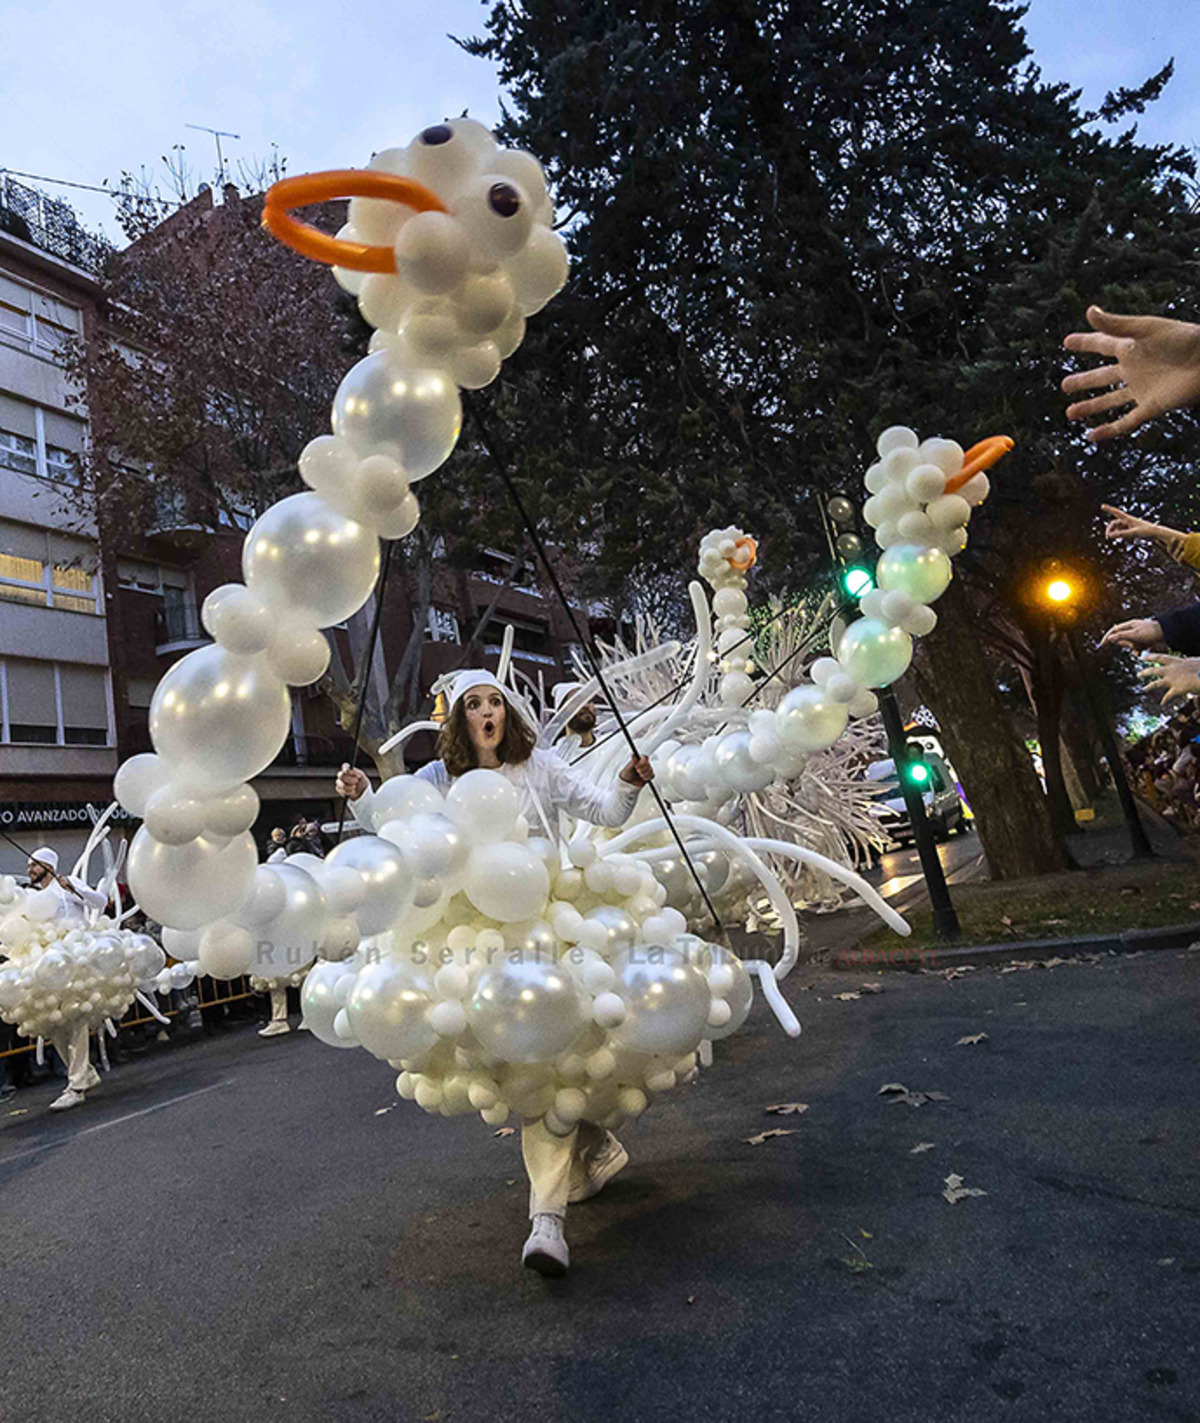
column 293, row 938
column 267, row 898
column 949, row 512
column 539, row 270
column 484, row 805
column 666, row 997
column 446, row 155
column 137, row 779
column 387, row 1010
column 174, row 816
column 188, row 886
column 525, row 1010
column 483, row 303
column 809, row 719
column 896, row 437
column 433, row 252
column 220, row 715
column 320, row 1006
column 921, row 572
column 387, row 875
column 238, row 619
column 402, row 796
column 300, row 653
column 226, row 950
column 506, row 881
column 875, row 654
column 312, row 560
column 432, row 844
column 496, row 214
column 413, row 415
column 232, row 814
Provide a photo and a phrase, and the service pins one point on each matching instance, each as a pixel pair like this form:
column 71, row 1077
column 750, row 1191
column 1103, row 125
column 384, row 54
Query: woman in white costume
column 485, row 729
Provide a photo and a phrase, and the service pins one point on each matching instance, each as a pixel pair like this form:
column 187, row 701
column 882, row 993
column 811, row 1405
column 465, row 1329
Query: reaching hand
column 1137, row 632
column 1175, row 677
column 1127, row 526
column 639, row 772
column 1156, row 367
column 351, row 783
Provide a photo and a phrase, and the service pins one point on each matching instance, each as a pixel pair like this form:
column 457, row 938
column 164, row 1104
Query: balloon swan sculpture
column 495, row 967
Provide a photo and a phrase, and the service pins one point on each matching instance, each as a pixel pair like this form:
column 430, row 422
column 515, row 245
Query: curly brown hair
column 457, row 751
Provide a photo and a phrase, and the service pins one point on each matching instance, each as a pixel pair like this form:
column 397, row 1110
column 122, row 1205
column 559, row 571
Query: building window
column 151, row 577
column 53, row 703
column 17, row 453
column 140, row 691
column 441, row 625
column 47, row 570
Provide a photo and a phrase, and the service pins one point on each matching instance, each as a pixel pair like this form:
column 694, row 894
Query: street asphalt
column 247, row 1230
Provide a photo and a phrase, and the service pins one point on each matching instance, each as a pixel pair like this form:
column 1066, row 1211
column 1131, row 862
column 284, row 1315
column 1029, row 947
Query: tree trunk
column 1047, row 693
column 957, row 683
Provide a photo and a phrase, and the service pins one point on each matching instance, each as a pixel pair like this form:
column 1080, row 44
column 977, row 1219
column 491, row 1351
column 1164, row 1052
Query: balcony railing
column 50, row 224
column 178, row 625
column 311, row 751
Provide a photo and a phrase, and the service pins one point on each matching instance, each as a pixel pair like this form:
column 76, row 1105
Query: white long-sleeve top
column 547, row 785
column 73, row 902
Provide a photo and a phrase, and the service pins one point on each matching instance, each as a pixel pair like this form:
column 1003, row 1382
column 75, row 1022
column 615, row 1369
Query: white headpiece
column 46, row 856
column 474, row 677
column 563, row 690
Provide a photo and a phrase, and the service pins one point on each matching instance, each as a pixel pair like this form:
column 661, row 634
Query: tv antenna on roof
column 218, row 134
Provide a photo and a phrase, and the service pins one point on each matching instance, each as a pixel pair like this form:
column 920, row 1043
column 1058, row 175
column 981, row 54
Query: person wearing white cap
column 74, row 897
column 580, row 732
column 486, row 726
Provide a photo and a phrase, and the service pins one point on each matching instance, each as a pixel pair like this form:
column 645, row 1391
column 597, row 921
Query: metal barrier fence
column 200, row 1003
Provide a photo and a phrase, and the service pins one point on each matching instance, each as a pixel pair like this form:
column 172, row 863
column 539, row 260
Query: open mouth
column 489, row 729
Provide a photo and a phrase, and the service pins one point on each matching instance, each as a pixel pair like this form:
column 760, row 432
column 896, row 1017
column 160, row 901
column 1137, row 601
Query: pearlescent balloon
column 225, row 717
column 525, row 1010
column 809, row 718
column 875, row 654
column 484, row 805
column 307, row 558
column 402, row 796
column 619, row 927
column 738, row 768
column 226, row 951
column 387, row 1009
column 740, row 996
column 413, row 415
column 187, row 886
column 320, row 1006
column 923, row 573
column 387, row 875
column 137, row 779
column 506, row 881
column 293, row 938
column 666, row 999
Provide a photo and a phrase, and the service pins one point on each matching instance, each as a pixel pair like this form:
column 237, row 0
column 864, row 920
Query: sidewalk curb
column 1129, row 941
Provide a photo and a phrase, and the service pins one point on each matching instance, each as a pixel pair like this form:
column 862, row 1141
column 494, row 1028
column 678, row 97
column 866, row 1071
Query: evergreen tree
column 795, row 222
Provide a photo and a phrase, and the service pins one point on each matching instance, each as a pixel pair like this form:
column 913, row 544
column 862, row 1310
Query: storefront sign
column 33, row 815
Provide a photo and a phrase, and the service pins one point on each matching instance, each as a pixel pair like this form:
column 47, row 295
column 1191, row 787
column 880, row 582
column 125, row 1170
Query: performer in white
column 580, row 733
column 74, row 896
column 485, row 729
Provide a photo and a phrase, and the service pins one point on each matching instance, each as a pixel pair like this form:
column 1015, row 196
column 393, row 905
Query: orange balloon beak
column 744, row 555
column 291, row 193
column 979, row 457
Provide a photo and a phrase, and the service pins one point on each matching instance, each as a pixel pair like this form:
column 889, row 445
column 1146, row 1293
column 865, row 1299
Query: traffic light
column 856, row 580
column 914, row 768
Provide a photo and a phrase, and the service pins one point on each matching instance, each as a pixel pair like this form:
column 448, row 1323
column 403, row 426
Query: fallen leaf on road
column 971, row 1039
column 955, row 1190
column 897, row 1092
column 871, row 987
column 762, row 1136
column 504, row 1131
column 1018, row 966
column 787, row 1109
column 922, row 1146
column 1170, row 1260
column 1050, row 963
column 20, row 1112
column 382, row 1111
column 866, row 1234
column 847, row 997
column 691, row 1299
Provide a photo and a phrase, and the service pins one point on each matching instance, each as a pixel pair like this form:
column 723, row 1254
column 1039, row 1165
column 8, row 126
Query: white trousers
column 72, row 1047
column 278, row 1005
column 556, row 1163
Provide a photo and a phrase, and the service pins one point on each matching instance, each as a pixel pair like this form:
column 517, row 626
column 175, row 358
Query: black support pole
column 945, row 916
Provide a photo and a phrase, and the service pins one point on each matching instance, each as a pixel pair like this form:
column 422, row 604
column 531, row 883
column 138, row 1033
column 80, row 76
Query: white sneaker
column 273, row 1030
column 68, row 1098
column 546, row 1250
column 600, row 1169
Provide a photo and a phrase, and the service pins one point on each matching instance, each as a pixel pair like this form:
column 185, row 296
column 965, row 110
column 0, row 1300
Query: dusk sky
column 92, row 94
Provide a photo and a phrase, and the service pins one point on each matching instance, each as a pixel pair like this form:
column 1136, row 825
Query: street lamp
column 1058, row 590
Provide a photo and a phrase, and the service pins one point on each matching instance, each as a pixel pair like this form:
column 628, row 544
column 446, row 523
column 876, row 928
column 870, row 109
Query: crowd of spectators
column 1165, row 769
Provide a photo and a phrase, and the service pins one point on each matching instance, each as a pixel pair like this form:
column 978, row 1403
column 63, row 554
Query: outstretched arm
column 1155, row 367
column 1174, row 677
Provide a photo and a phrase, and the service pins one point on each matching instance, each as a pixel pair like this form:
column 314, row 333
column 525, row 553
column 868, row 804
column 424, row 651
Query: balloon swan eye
column 504, row 200
column 437, row 134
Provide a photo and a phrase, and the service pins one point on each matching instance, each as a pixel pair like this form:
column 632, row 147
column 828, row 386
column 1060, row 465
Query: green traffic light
column 857, row 581
column 918, row 773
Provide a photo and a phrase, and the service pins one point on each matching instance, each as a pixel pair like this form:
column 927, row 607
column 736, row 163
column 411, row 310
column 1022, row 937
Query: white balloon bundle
column 919, row 526
column 505, row 980
column 463, row 281
column 63, row 971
